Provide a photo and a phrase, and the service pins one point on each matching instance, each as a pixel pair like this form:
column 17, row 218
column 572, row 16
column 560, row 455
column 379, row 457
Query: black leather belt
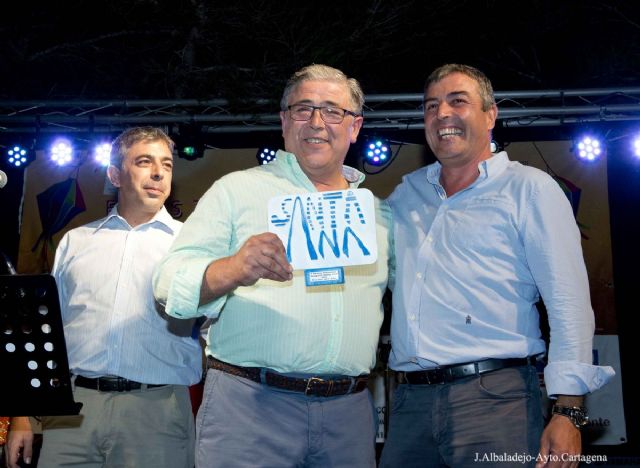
column 315, row 386
column 111, row 384
column 445, row 374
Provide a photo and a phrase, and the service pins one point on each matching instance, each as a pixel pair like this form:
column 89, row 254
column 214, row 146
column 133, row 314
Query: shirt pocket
column 481, row 224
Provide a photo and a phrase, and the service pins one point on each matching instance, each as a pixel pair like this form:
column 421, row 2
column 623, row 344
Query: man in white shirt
column 131, row 364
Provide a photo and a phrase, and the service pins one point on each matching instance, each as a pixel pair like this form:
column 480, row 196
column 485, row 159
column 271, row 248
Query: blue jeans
column 246, row 424
column 470, row 422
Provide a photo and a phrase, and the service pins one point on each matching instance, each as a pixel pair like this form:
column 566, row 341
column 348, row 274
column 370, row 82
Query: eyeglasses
column 304, row 112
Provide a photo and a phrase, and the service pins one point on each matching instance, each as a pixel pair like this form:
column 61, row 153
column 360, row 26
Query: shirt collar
column 489, row 167
column 352, row 175
column 162, row 218
column 494, row 165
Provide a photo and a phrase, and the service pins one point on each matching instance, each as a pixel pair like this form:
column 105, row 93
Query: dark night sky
column 243, row 50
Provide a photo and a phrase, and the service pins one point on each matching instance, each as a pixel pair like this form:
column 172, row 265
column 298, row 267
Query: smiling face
column 458, row 131
column 319, row 147
column 143, row 180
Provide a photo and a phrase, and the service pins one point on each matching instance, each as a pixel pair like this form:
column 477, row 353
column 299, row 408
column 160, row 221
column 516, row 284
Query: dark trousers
column 470, row 422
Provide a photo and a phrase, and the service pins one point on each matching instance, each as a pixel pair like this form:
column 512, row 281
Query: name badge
column 320, row 276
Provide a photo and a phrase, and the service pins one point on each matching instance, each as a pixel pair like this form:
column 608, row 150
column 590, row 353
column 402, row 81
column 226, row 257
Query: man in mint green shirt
column 288, row 363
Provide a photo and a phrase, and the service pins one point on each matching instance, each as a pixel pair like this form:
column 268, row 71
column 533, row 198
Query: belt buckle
column 313, row 380
column 434, row 376
column 124, row 385
column 102, row 385
column 440, row 376
column 448, row 375
column 431, row 376
column 358, row 383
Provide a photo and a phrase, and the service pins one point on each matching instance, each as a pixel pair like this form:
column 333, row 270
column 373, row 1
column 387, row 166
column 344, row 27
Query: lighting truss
column 383, row 111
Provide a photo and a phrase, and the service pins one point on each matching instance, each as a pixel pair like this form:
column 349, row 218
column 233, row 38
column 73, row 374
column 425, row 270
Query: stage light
column 636, row 147
column 61, row 152
column 588, row 148
column 189, row 142
column 18, row 156
column 265, row 155
column 102, row 153
column 377, row 152
column 189, row 152
column 495, row 147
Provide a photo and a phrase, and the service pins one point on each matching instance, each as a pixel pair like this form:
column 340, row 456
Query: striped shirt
column 285, row 326
column 111, row 324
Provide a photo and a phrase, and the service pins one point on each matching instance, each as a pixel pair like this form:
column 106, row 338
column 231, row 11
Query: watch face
column 580, row 418
column 577, row 415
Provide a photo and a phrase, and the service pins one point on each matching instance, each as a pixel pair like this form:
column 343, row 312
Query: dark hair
column 131, row 136
column 484, row 85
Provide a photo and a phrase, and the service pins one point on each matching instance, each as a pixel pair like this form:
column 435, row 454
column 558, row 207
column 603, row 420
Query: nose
column 156, row 171
column 316, row 119
column 444, row 110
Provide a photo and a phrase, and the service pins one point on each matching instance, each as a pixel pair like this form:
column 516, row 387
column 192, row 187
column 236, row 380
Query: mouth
column 315, row 141
column 449, row 132
column 154, row 190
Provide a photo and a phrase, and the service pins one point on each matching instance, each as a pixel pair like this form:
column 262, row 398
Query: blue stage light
column 102, row 153
column 266, row 155
column 636, row 147
column 18, row 156
column 377, row 152
column 61, row 152
column 588, row 148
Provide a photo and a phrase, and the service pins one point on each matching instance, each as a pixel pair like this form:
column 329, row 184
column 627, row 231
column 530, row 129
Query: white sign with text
column 326, row 229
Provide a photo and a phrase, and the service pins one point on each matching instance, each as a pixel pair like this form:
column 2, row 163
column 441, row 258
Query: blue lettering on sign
column 313, row 218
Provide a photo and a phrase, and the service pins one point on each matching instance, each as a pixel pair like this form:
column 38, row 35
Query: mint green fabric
column 286, row 326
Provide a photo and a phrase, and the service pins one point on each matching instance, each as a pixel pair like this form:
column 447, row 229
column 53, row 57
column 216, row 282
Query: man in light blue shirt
column 478, row 240
column 288, row 362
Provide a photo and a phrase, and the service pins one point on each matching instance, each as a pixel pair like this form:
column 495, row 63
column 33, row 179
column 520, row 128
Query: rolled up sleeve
column 204, row 238
column 554, row 254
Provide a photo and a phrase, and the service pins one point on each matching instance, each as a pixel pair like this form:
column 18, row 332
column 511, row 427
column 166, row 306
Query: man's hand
column 261, row 256
column 20, row 442
column 560, row 444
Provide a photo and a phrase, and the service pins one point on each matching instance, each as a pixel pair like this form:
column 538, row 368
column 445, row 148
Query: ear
column 283, row 119
column 357, row 125
column 492, row 115
column 114, row 175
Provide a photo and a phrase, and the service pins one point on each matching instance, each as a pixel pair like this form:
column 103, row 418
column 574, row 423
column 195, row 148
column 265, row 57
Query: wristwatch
column 577, row 414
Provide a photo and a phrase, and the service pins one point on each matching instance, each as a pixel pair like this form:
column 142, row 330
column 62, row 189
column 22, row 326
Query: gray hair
column 484, row 85
column 324, row 73
column 134, row 135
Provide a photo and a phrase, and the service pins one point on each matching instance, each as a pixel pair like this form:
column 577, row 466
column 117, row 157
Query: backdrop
column 58, row 199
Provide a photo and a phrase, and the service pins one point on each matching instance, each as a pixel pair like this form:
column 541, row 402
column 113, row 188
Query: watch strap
column 577, row 414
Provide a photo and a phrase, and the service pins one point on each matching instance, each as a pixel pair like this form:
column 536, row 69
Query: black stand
column 35, row 378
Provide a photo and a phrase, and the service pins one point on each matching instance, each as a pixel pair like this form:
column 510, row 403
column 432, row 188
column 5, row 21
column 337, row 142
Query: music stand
column 35, row 370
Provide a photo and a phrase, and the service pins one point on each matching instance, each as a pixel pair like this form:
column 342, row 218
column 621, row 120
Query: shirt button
column 414, row 360
column 430, row 239
column 412, row 317
column 419, row 275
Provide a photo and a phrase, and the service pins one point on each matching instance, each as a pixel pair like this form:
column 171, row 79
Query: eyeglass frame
column 319, row 109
